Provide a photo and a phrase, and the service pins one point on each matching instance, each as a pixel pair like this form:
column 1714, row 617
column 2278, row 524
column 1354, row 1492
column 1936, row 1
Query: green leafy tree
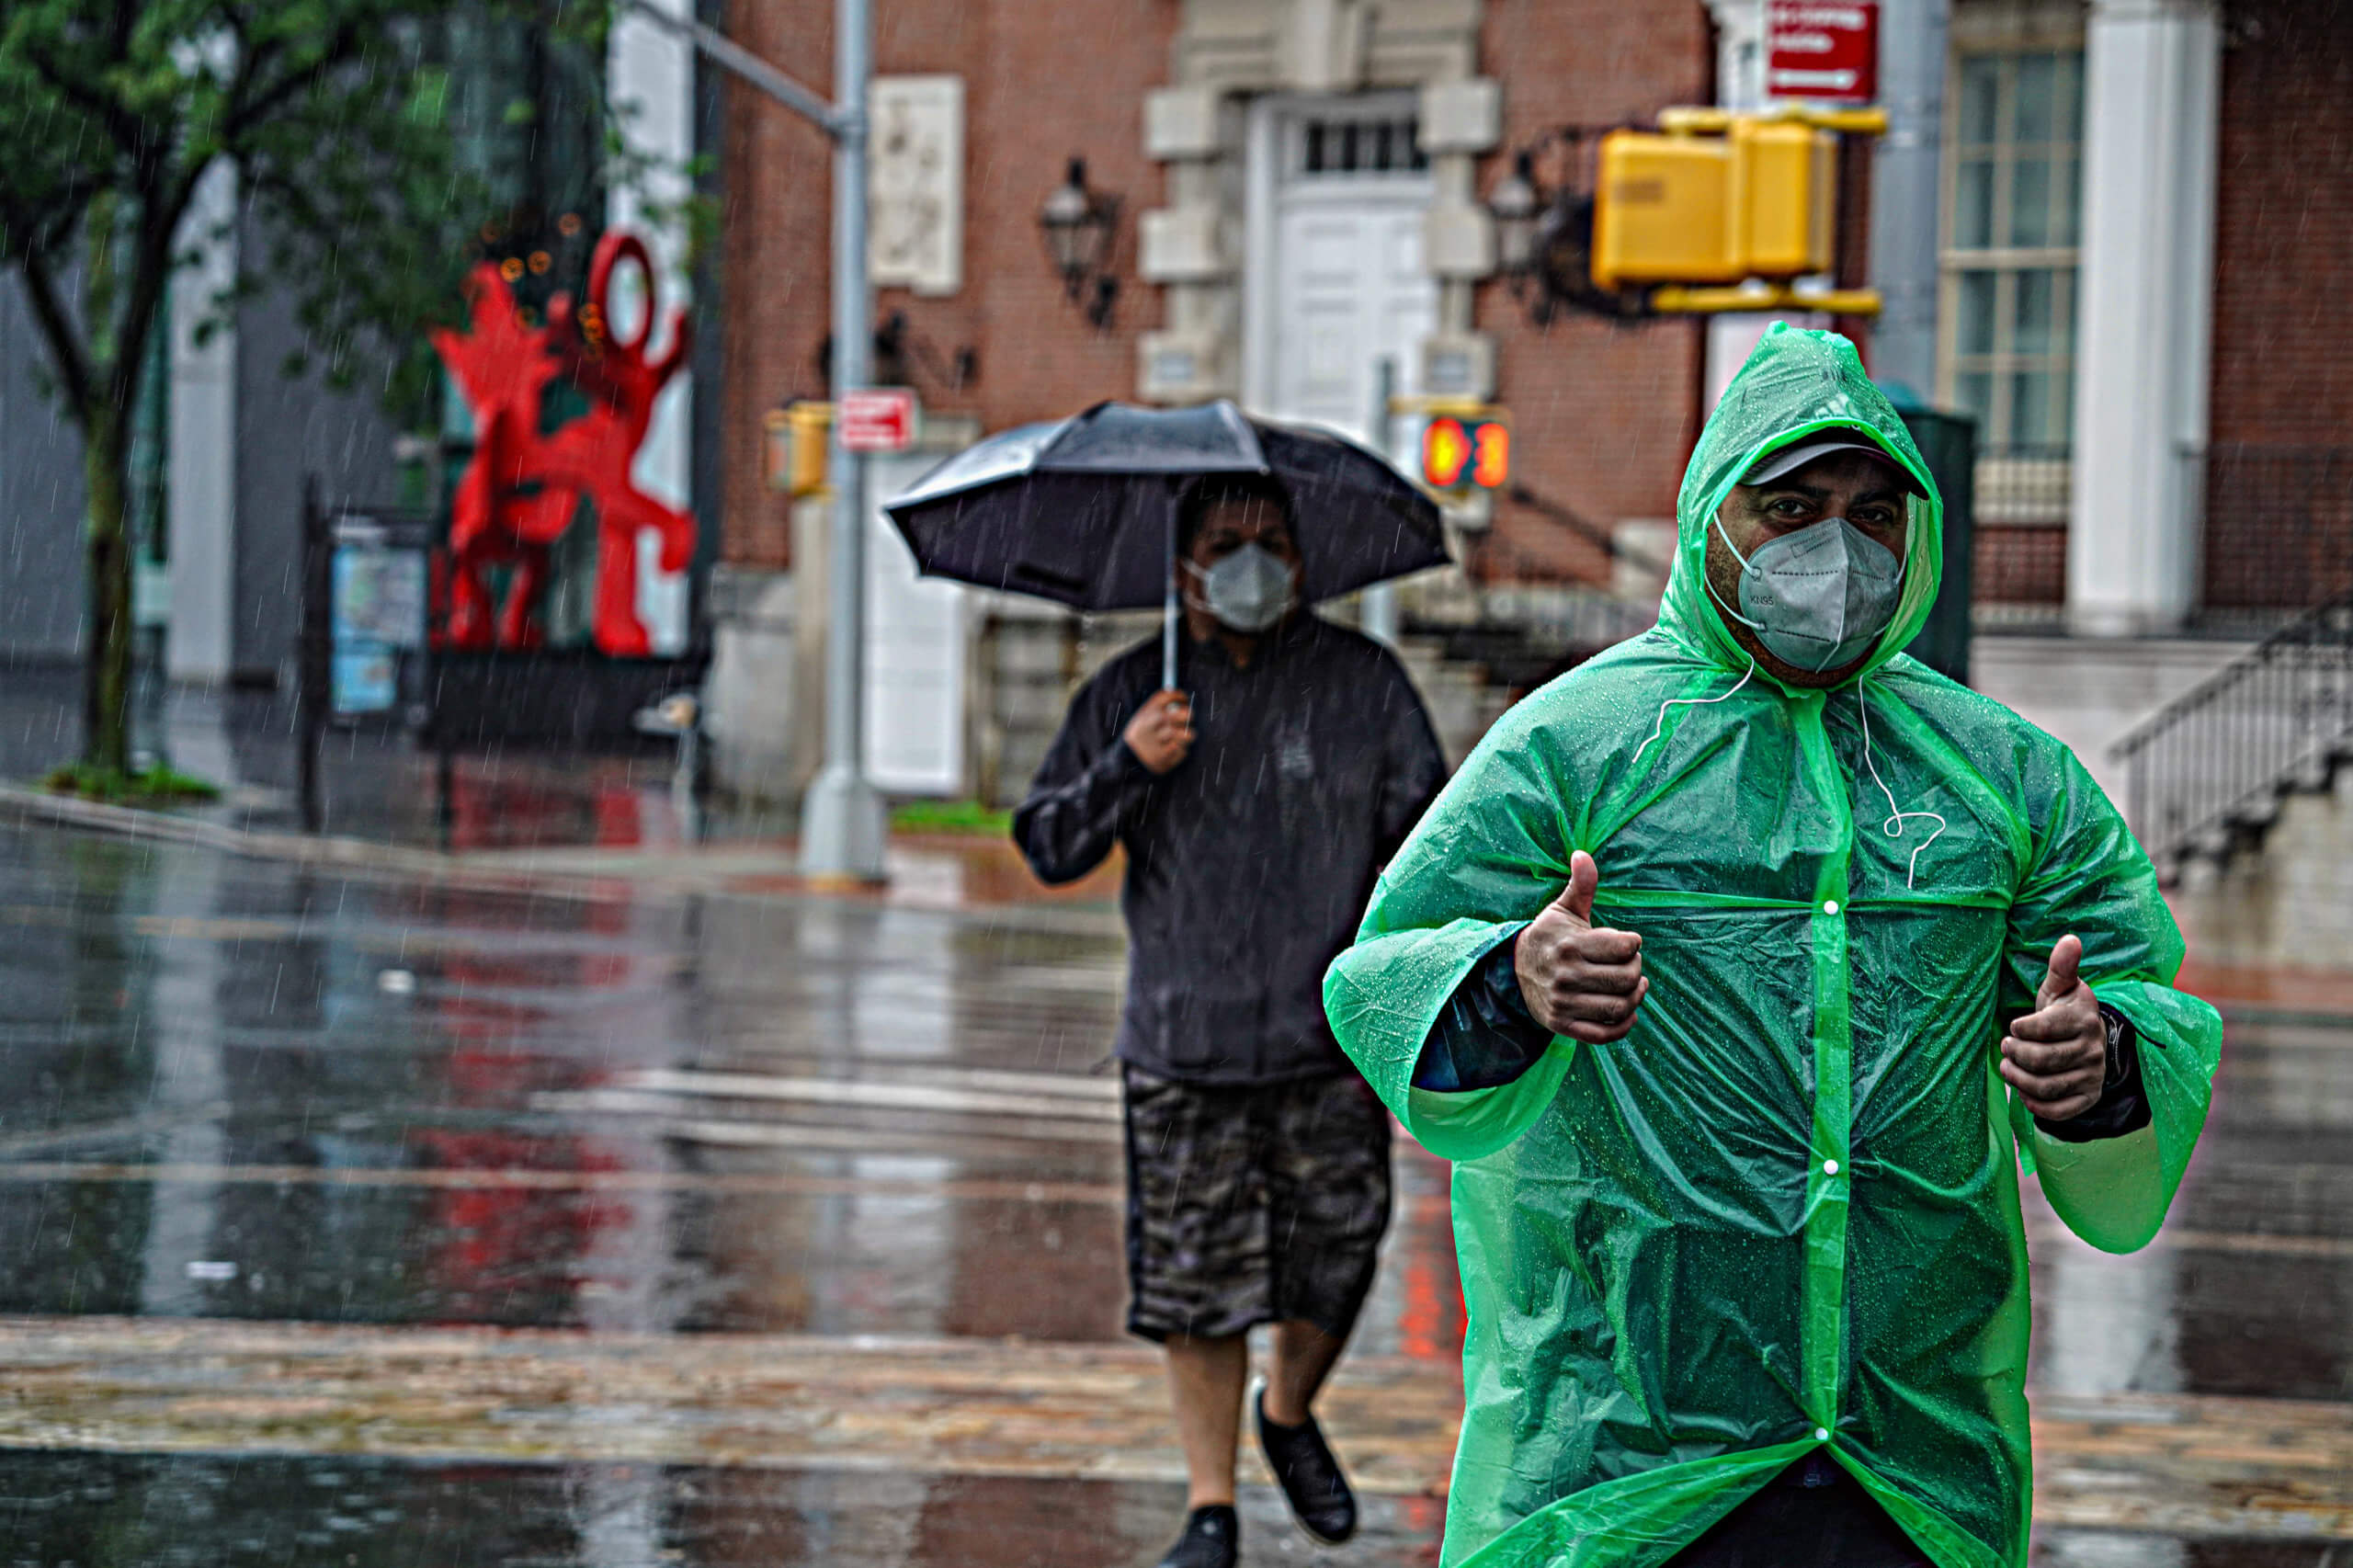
column 336, row 116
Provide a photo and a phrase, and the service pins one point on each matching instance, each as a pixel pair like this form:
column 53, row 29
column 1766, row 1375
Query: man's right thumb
column 1578, row 897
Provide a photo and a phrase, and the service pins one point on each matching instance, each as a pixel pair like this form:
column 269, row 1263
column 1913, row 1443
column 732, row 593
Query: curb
column 20, row 807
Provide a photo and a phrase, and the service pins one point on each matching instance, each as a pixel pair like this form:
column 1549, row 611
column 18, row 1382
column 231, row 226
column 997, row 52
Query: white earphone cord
column 1893, row 825
column 1695, row 701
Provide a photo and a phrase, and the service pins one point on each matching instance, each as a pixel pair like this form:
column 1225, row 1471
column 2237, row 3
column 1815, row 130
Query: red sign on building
column 1824, row 51
column 878, row 419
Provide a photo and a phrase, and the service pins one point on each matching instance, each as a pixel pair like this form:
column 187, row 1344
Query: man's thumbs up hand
column 1575, row 900
column 1579, row 980
column 2056, row 1057
column 2059, row 976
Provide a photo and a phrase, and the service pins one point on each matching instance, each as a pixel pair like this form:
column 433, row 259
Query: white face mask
column 1248, row 590
column 1819, row 596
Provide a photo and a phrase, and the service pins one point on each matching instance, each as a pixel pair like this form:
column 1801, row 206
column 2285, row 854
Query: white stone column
column 2145, row 297
column 200, row 445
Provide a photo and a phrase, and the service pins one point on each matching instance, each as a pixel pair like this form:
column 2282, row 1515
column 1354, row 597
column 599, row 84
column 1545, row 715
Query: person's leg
column 1305, row 1357
column 1198, row 1280
column 1328, row 1206
column 1329, row 1203
column 1205, row 1383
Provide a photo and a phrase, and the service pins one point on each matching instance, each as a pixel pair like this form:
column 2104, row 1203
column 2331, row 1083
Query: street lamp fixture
column 1080, row 225
column 1514, row 206
column 1544, row 236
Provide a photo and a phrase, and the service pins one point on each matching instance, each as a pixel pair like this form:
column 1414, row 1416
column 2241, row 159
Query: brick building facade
column 2280, row 471
column 1041, row 82
column 1603, row 414
column 2141, row 236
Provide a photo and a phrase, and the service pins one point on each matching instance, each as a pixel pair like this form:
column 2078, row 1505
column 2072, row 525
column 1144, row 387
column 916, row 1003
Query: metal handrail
column 2210, row 767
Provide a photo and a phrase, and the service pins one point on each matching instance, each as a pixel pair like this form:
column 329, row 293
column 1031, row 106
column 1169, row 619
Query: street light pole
column 1902, row 247
column 1380, row 599
column 841, row 822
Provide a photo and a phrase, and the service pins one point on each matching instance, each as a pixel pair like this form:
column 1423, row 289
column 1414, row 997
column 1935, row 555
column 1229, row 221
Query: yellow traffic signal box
column 1789, row 196
column 1663, row 210
column 798, row 435
column 1752, row 198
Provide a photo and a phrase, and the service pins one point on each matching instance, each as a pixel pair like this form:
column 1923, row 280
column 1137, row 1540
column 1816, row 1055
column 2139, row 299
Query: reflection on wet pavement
column 250, row 1096
column 376, row 783
column 205, row 1512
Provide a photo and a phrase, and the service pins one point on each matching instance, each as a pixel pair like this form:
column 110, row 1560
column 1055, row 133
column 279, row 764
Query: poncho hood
column 1795, row 384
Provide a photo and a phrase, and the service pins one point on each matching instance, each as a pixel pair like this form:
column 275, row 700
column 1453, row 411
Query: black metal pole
column 313, row 660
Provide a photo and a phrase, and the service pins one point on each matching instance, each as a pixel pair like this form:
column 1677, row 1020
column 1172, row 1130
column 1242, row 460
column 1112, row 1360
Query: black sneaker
column 1310, row 1473
column 1212, row 1538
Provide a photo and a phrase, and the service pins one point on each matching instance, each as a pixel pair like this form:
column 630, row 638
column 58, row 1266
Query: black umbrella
column 1083, row 510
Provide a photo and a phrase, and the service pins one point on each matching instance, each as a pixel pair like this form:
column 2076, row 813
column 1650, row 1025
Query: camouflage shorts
column 1251, row 1205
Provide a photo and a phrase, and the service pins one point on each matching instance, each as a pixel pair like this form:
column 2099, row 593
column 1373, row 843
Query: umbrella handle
column 1168, row 614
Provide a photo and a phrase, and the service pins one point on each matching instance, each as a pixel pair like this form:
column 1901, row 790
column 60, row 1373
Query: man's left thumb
column 2066, row 957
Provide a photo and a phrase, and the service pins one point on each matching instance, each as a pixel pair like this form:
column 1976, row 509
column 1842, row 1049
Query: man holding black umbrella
column 1257, row 799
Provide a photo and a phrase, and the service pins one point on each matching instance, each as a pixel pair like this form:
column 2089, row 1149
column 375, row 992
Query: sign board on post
column 1823, row 51
column 879, row 419
column 376, row 613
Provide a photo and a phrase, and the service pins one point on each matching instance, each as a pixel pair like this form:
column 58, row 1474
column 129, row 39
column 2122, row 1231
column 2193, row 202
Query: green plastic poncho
column 1783, row 1211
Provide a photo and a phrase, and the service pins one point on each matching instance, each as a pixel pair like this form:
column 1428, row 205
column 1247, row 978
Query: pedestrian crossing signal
column 1491, row 455
column 1456, row 452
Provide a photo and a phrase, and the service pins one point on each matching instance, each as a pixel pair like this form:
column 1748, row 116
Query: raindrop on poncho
column 1782, row 1213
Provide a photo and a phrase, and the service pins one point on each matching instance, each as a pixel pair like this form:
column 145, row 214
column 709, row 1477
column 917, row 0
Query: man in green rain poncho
column 1738, row 970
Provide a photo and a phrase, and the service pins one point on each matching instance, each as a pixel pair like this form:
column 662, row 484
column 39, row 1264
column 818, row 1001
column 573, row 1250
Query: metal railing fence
column 2209, row 768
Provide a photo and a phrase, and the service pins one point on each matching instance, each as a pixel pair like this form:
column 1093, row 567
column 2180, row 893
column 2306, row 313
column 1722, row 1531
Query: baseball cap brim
column 1790, row 458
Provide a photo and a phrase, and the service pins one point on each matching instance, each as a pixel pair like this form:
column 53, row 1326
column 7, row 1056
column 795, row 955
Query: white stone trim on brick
column 1458, row 240
column 1458, row 364
column 1184, row 366
column 916, row 235
column 1182, row 122
column 1182, row 244
column 1461, row 117
column 1226, row 50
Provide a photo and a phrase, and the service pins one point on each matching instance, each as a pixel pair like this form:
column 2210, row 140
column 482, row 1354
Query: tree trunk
column 106, row 706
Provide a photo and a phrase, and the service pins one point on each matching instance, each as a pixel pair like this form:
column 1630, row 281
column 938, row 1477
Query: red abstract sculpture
column 524, row 486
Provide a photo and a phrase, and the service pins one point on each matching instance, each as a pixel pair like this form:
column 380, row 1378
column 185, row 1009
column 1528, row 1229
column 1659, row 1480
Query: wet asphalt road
column 822, row 1196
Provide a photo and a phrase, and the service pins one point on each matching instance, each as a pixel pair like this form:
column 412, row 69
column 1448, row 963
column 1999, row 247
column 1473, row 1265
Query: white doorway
column 1335, row 279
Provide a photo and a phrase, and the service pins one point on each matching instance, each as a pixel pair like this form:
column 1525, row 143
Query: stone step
column 2278, row 891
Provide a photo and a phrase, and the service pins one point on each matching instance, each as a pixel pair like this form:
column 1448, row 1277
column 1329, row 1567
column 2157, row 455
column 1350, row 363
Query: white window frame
column 2010, row 488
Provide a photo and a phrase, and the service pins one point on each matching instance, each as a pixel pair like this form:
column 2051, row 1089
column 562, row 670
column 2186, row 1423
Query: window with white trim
column 2012, row 220
column 1374, row 135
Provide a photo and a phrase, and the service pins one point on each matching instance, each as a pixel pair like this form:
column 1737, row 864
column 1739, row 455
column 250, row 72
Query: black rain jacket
column 1250, row 863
